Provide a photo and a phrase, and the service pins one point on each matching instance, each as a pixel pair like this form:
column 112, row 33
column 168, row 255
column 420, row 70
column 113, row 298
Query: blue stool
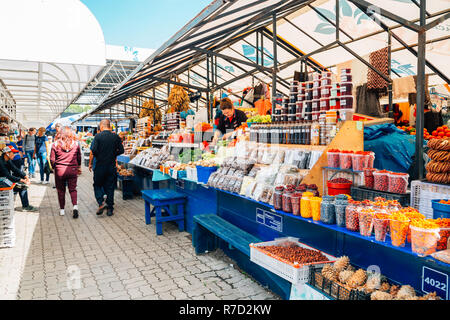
column 162, row 199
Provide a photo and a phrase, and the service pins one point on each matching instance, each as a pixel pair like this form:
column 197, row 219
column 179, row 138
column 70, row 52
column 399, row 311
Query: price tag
column 435, row 281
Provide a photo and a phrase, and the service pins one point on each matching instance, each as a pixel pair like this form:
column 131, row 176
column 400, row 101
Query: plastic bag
column 267, row 194
column 237, row 185
column 211, row 179
column 245, row 183
column 269, row 156
column 279, row 158
column 250, row 189
column 292, row 179
column 254, row 172
column 261, row 152
column 289, row 157
column 267, row 175
column 258, row 192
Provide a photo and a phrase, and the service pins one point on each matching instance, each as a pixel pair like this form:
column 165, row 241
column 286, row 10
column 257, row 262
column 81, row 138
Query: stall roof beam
column 370, row 9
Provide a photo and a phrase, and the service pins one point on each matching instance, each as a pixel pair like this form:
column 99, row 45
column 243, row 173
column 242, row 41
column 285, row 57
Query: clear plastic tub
column 380, row 227
column 369, row 160
column 340, row 214
column 346, row 102
column 309, row 85
column 346, row 78
column 335, row 103
column 315, row 105
column 301, row 91
column 315, row 208
column 316, row 76
column 424, row 241
column 335, row 92
column 316, row 93
column 381, row 180
column 326, row 74
column 369, row 178
column 325, row 82
column 301, row 97
column 295, row 203
column 333, row 159
column 398, row 182
column 299, row 107
column 309, row 94
column 327, row 210
column 316, row 83
column 358, row 161
column 325, row 91
column 324, row 104
column 398, row 231
column 352, row 217
column 346, row 88
column 305, row 205
column 365, row 222
column 346, row 71
column 345, row 159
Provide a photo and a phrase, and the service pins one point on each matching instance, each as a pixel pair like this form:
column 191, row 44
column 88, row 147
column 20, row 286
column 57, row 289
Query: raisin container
column 315, row 105
column 335, row 103
column 295, row 203
column 368, row 177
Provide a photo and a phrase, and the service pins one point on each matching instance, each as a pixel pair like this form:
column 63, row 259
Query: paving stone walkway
column 119, row 257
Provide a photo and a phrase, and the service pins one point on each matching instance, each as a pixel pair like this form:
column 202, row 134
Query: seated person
column 9, row 171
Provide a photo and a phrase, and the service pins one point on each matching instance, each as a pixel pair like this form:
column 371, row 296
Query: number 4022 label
column 435, row 281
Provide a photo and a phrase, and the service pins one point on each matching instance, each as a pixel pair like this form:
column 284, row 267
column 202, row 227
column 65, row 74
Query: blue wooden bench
column 161, row 200
column 209, row 228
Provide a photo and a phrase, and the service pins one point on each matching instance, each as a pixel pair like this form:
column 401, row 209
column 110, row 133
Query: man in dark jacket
column 106, row 146
column 9, row 171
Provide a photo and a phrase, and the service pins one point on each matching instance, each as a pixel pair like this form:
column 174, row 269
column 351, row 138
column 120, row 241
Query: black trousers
column 104, row 183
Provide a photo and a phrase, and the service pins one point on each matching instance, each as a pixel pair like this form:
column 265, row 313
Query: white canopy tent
column 50, row 51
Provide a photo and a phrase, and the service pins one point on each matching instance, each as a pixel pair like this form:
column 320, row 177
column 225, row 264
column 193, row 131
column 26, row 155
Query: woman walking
column 65, row 158
column 41, row 152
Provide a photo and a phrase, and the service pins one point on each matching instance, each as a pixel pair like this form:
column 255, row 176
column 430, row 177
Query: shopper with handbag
column 65, row 159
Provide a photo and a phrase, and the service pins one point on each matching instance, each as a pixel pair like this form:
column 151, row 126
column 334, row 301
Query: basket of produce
column 441, row 208
column 288, row 258
column 339, row 186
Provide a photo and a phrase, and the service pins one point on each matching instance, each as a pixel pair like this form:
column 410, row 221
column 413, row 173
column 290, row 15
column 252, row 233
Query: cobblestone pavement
column 118, row 257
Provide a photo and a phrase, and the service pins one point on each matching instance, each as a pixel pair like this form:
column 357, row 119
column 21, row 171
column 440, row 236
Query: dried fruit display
column 295, row 254
column 366, row 222
column 345, row 275
column 381, row 180
column 178, row 99
column 149, row 109
column 381, row 295
column 368, row 177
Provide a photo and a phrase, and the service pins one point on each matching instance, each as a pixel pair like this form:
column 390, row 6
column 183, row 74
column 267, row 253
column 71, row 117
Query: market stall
column 316, row 160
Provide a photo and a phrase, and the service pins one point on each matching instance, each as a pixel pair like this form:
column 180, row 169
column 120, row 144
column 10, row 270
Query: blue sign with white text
column 271, row 220
column 435, row 281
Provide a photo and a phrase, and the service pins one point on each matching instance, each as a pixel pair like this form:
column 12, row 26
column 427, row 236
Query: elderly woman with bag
column 65, row 159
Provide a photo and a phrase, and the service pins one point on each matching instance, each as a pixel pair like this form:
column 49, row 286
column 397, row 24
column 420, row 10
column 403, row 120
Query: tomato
column 445, row 127
column 447, row 134
column 440, row 129
column 434, row 133
column 441, row 134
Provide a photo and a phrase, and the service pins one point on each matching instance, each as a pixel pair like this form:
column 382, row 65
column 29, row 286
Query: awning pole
column 275, row 62
column 420, row 91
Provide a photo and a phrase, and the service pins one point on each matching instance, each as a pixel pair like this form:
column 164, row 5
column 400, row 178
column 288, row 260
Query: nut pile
column 294, row 253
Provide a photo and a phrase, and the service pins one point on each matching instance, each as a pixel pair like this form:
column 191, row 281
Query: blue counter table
column 263, row 221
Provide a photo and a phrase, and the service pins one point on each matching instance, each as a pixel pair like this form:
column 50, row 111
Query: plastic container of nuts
column 288, row 258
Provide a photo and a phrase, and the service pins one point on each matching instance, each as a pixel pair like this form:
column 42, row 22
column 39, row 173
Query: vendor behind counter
column 230, row 120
